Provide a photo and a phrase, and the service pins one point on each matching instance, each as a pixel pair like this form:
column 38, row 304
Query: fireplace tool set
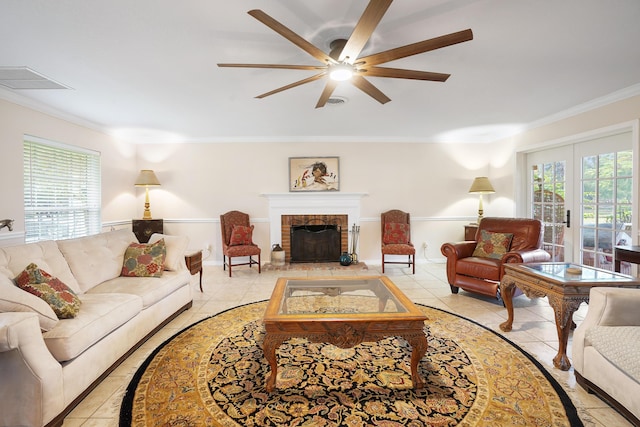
column 355, row 232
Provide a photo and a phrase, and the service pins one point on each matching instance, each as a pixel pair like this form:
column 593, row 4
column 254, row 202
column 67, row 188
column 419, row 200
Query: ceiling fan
column 343, row 62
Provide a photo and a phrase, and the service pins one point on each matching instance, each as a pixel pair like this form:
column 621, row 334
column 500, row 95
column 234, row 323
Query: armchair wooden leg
column 382, row 263
column 414, row 263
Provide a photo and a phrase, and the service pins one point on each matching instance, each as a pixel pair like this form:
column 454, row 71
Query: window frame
column 62, row 190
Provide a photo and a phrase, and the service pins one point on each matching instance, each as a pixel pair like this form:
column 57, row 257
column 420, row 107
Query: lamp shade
column 146, row 177
column 481, row 185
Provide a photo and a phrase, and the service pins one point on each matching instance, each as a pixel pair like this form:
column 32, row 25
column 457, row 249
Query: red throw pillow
column 241, row 235
column 395, row 233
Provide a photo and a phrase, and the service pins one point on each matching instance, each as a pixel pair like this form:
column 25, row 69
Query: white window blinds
column 61, row 191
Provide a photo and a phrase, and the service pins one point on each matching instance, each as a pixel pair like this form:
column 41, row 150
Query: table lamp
column 480, row 186
column 145, row 179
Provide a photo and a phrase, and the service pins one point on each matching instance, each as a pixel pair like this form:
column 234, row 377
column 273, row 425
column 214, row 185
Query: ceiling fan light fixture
column 341, row 72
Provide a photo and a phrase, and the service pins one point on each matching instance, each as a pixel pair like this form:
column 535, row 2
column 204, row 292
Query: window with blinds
column 61, row 191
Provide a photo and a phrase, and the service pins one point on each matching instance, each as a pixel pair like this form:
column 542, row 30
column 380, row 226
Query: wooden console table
column 627, row 254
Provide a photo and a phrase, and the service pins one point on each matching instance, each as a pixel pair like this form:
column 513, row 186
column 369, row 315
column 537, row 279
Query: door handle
column 568, row 221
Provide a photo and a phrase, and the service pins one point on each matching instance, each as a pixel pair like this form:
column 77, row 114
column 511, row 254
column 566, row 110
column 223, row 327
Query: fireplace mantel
column 311, row 203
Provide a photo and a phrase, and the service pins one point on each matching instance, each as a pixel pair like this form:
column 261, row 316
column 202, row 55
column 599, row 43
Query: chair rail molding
column 311, row 203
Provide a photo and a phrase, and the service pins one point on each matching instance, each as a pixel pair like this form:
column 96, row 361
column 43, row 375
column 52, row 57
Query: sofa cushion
column 144, row 259
column 241, row 235
column 12, row 298
column 45, row 254
column 176, row 248
column 100, row 314
column 395, row 233
column 150, row 289
column 60, row 297
column 486, row 268
column 94, row 259
column 492, row 245
column 620, row 345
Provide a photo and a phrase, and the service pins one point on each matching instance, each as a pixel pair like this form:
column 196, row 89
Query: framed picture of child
column 314, row 173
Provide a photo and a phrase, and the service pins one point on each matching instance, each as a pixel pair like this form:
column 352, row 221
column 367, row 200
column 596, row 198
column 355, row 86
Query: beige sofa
column 606, row 349
column 48, row 365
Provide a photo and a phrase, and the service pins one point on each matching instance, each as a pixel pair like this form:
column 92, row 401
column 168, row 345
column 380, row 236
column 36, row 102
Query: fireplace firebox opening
column 315, row 243
column 323, row 237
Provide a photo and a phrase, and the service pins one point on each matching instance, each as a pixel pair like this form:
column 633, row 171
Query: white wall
column 200, row 181
column 117, row 159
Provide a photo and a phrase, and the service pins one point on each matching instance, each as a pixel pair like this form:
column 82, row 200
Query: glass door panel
column 548, row 190
column 603, row 200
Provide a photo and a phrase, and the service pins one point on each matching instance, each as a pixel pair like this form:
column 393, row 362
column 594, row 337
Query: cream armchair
column 606, row 347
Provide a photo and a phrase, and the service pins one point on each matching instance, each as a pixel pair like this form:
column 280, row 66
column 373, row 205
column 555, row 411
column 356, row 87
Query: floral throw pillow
column 144, row 260
column 493, row 245
column 64, row 302
column 395, row 233
column 241, row 235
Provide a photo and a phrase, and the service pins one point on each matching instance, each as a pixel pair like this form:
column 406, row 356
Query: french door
column 583, row 193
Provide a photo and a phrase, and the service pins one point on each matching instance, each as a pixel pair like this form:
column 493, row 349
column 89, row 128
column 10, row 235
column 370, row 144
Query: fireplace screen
column 315, row 243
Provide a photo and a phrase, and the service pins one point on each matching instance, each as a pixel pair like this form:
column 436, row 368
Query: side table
column 626, row 253
column 565, row 285
column 470, row 231
column 194, row 264
column 144, row 228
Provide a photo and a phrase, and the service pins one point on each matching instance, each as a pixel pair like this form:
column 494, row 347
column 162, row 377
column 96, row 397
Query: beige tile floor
column 533, row 330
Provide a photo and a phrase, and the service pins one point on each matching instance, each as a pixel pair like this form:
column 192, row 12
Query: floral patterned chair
column 396, row 238
column 237, row 240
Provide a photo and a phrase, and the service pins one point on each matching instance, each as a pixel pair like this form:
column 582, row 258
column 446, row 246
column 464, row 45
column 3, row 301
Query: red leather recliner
column 482, row 275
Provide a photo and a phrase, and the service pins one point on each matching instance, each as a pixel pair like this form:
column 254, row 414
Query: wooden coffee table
column 324, row 309
column 565, row 289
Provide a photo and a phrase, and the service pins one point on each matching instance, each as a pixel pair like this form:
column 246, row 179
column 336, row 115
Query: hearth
column 315, row 243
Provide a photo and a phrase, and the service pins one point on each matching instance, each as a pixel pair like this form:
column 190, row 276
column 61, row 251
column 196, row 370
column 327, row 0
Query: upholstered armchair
column 237, row 240
column 478, row 266
column 396, row 238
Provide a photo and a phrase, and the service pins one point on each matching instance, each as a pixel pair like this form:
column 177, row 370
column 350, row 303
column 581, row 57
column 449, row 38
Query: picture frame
column 314, row 174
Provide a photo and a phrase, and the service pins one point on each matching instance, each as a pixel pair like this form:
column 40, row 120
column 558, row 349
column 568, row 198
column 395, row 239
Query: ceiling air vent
column 336, row 100
column 19, row 78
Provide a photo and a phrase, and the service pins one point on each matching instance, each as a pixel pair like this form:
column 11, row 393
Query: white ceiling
column 147, row 68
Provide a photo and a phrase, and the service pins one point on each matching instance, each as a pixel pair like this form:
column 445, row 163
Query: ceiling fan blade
column 279, row 66
column 291, row 36
column 366, row 86
column 364, row 28
column 416, row 48
column 326, row 93
column 399, row 73
column 292, row 85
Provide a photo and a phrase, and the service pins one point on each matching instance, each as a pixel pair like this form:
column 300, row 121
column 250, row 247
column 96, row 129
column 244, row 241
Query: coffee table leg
column 419, row 346
column 269, row 349
column 507, row 289
column 563, row 311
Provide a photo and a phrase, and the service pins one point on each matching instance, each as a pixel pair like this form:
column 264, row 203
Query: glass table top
column 568, row 272
column 340, row 296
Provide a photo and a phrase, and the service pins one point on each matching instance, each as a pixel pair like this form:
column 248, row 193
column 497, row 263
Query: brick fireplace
column 288, row 221
column 286, row 209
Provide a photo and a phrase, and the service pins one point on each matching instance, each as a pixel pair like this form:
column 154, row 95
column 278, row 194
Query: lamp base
column 147, row 212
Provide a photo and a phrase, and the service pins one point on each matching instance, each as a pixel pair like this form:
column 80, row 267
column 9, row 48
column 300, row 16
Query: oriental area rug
column 213, row 373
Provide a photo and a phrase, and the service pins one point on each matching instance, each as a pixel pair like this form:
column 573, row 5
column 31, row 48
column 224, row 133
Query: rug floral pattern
column 214, row 373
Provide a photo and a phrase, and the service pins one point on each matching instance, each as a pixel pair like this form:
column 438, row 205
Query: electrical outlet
column 424, row 245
